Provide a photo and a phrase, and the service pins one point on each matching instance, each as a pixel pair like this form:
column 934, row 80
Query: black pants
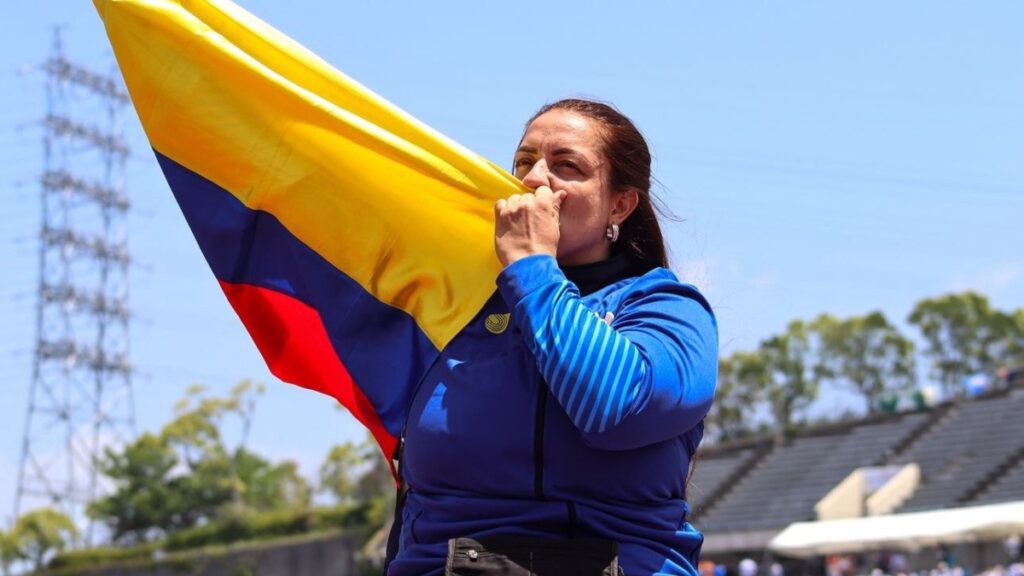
column 522, row 556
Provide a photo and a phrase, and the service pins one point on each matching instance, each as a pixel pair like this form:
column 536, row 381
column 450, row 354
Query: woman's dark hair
column 630, row 162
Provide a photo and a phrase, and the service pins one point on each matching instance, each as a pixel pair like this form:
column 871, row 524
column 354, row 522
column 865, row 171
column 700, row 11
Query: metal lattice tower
column 81, row 394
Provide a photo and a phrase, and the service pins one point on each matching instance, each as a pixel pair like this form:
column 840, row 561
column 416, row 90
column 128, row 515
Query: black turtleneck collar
column 596, row 275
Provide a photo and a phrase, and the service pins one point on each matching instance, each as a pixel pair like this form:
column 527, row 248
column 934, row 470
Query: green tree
column 213, row 481
column 377, row 486
column 783, row 374
column 342, row 469
column 866, row 353
column 147, row 500
column 377, row 478
column 9, row 552
column 40, row 533
column 965, row 335
column 267, row 486
column 196, row 427
column 736, row 397
column 359, row 474
column 1015, row 345
column 187, row 474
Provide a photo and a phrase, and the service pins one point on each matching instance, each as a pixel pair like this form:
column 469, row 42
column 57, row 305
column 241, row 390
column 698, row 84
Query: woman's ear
column 623, row 204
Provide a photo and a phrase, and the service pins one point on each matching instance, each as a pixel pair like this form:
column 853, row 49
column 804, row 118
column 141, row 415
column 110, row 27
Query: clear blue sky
column 840, row 157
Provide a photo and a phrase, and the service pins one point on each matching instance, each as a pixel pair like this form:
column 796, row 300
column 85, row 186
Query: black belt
column 525, row 556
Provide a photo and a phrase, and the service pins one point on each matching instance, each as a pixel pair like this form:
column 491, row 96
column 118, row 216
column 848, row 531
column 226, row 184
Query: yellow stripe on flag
column 398, row 207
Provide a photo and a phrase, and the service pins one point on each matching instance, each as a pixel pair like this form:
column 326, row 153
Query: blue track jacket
column 540, row 419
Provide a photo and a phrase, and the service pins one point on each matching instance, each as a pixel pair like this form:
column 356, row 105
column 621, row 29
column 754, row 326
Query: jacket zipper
column 570, row 508
column 538, row 442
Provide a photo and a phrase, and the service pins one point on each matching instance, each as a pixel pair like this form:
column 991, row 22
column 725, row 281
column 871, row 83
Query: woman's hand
column 527, row 224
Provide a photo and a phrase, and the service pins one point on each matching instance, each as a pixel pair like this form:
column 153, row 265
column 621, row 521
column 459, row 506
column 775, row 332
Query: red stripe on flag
column 294, row 343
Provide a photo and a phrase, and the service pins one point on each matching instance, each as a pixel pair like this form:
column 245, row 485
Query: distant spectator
column 898, row 564
column 1015, row 375
column 944, row 557
column 748, row 567
column 1010, row 376
column 838, row 565
column 706, row 568
column 1012, row 545
column 776, row 569
column 975, row 384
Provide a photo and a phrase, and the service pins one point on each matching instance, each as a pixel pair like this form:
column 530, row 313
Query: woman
column 554, row 433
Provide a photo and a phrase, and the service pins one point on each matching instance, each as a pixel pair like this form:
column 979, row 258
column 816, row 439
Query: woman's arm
column 647, row 377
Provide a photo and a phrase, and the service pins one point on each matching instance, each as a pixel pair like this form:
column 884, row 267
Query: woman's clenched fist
column 527, row 224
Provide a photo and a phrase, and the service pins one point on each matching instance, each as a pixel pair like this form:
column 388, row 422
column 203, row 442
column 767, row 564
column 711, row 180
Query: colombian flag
column 352, row 240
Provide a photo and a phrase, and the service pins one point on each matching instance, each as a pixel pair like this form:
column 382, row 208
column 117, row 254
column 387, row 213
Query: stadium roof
column 906, row 531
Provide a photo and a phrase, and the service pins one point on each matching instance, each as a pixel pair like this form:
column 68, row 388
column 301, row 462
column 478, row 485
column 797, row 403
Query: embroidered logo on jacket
column 496, row 323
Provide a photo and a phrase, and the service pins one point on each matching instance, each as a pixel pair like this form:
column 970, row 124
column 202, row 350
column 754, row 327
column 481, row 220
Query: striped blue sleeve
column 647, row 377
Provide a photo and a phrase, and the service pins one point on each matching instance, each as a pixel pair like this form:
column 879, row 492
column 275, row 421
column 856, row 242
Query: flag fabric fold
column 352, row 240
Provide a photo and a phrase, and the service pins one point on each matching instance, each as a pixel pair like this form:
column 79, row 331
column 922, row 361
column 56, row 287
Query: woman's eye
column 522, row 165
column 566, row 166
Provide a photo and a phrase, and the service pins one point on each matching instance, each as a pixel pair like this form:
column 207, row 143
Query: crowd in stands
column 877, row 564
column 745, row 567
column 749, row 567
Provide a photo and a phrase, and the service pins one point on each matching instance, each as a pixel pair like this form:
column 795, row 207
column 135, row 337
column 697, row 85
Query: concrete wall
column 327, row 556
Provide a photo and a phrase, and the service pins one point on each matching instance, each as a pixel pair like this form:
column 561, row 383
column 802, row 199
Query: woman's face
column 562, row 150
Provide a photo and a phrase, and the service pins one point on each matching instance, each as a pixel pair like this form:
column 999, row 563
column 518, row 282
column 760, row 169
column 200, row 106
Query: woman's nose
column 538, row 175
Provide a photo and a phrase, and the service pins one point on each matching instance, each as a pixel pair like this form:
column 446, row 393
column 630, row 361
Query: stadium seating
column 961, row 451
column 712, row 474
column 788, row 482
column 1006, row 488
column 970, row 451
